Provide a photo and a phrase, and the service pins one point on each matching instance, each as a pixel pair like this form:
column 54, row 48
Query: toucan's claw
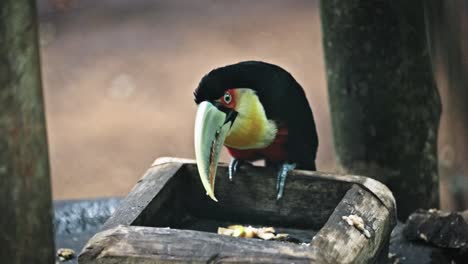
column 234, row 166
column 281, row 179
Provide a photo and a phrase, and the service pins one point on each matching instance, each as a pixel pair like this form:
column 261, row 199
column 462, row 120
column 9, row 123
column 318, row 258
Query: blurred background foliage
column 118, row 78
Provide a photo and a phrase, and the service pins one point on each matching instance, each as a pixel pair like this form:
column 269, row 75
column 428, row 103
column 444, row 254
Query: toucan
column 258, row 111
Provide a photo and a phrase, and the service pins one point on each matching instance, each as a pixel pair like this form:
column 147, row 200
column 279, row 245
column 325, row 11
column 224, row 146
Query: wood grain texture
column 251, row 197
column 171, row 195
column 339, row 242
column 132, row 244
column 152, row 192
column 26, row 233
column 384, row 103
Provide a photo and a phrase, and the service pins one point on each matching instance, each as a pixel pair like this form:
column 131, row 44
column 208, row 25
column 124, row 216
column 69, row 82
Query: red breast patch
column 276, row 151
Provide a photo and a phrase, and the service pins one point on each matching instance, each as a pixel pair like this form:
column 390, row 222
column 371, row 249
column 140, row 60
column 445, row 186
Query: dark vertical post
column 384, row 103
column 26, row 234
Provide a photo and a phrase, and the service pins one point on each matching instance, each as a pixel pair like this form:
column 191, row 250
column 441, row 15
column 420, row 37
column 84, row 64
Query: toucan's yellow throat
column 251, row 129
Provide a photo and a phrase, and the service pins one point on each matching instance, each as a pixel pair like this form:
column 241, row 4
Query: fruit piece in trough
column 265, row 233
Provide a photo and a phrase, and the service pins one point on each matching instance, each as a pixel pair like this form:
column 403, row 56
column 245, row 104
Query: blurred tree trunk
column 26, row 234
column 384, row 103
column 449, row 39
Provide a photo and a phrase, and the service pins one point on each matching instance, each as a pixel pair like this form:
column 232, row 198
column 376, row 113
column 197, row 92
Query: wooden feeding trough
column 167, row 218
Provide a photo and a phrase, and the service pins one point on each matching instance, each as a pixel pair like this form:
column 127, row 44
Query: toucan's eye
column 227, row 98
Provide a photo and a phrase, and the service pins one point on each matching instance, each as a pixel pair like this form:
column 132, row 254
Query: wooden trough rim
column 338, row 241
column 378, row 189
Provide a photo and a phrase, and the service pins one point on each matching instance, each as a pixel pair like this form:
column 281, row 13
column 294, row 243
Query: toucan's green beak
column 212, row 125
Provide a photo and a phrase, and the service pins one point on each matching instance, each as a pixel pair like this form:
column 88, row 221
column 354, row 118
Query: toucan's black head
column 247, row 74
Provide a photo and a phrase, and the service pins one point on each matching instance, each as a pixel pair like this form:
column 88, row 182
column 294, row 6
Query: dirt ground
column 119, row 76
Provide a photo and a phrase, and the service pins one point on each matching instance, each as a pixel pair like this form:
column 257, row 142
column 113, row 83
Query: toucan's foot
column 234, row 166
column 281, row 180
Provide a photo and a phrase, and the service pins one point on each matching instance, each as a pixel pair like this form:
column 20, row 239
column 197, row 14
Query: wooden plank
column 150, row 194
column 250, row 198
column 339, row 242
column 26, row 232
column 377, row 188
column 310, row 197
column 144, row 245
